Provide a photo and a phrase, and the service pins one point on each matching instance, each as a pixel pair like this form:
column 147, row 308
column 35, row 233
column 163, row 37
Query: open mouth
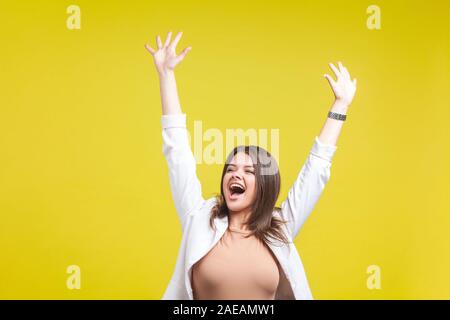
column 236, row 189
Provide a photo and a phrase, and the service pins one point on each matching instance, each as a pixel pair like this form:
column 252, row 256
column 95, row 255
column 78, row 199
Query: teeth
column 237, row 185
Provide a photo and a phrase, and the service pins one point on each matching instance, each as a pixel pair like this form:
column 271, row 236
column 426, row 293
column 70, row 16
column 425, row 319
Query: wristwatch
column 337, row 116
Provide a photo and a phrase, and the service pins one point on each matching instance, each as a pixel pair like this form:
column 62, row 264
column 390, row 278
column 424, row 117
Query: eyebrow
column 247, row 166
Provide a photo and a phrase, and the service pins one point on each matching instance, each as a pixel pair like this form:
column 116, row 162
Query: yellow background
column 83, row 180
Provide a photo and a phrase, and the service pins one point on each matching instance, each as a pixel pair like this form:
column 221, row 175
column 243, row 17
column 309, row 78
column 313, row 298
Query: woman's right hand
column 165, row 58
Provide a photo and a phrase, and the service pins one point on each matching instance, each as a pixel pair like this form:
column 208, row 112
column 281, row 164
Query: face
column 239, row 183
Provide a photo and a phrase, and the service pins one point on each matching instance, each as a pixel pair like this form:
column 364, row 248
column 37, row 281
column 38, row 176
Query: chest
column 236, row 263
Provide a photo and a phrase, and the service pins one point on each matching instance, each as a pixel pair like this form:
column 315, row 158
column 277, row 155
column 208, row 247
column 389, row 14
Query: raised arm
column 315, row 173
column 165, row 60
column 344, row 89
column 184, row 184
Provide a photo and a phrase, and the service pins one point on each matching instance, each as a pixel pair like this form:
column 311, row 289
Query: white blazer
column 194, row 212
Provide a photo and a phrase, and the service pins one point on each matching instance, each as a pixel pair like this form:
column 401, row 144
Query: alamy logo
column 74, row 20
column 374, row 279
column 211, row 146
column 374, row 20
column 74, row 279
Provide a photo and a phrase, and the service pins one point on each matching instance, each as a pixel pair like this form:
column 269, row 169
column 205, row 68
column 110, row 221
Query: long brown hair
column 261, row 221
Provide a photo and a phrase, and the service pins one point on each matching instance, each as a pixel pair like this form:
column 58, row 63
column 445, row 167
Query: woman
column 238, row 245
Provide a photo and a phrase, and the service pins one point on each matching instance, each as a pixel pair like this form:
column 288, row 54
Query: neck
column 236, row 219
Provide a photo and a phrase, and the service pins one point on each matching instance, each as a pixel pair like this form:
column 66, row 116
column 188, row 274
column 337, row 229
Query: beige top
column 236, row 268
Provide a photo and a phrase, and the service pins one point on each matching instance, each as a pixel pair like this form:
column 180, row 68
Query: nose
column 236, row 175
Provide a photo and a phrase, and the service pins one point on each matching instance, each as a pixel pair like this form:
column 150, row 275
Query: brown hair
column 261, row 221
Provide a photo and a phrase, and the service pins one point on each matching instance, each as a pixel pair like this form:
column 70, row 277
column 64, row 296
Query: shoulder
column 210, row 202
column 206, row 206
column 276, row 212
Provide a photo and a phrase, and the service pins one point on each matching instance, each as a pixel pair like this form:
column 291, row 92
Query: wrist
column 166, row 73
column 339, row 107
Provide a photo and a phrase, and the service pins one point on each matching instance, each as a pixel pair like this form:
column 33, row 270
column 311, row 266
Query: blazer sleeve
column 308, row 186
column 185, row 186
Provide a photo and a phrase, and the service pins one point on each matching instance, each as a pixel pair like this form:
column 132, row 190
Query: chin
column 235, row 207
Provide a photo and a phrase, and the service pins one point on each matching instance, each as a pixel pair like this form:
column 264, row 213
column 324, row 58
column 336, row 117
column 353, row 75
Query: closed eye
column 230, row 166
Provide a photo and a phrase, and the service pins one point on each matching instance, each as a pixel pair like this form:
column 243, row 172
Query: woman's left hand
column 344, row 88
